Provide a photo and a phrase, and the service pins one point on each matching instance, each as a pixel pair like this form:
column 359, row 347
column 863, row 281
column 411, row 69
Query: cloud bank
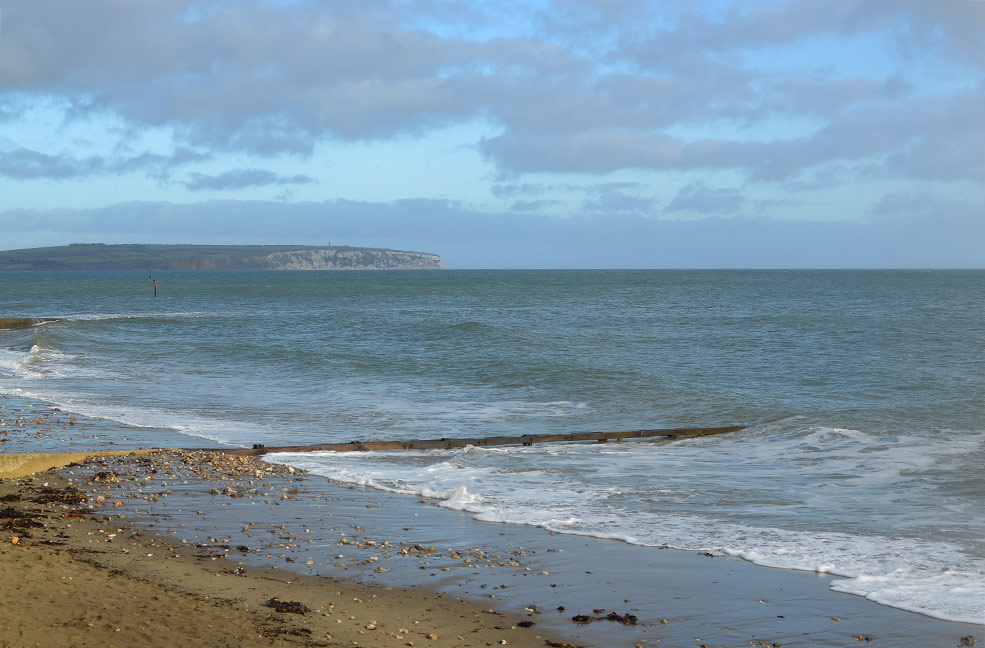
column 592, row 87
column 629, row 123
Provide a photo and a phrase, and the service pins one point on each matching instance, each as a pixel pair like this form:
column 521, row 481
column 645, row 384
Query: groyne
column 448, row 443
column 24, row 322
column 23, row 464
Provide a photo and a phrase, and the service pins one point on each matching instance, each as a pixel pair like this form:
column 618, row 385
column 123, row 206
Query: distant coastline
column 100, row 256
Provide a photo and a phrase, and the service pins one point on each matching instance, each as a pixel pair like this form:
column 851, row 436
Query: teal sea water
column 864, row 393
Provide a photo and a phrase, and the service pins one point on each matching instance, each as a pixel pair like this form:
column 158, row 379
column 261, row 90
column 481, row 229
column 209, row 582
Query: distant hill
column 99, row 256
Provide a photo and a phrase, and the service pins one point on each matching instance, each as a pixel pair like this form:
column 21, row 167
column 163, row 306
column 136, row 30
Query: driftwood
column 446, row 443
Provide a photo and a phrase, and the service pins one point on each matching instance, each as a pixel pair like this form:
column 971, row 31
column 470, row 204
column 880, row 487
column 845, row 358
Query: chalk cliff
column 353, row 259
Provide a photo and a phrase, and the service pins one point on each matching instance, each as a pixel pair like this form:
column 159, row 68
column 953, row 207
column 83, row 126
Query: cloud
column 918, row 204
column 950, row 29
column 526, row 188
column 584, row 86
column 248, row 75
column 915, row 137
column 158, row 166
column 184, row 155
column 26, row 164
column 593, row 152
column 821, row 177
column 241, row 178
column 701, row 199
column 613, row 198
column 531, row 205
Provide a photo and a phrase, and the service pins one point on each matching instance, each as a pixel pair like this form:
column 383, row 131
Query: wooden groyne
column 448, row 443
column 21, row 465
column 24, row 322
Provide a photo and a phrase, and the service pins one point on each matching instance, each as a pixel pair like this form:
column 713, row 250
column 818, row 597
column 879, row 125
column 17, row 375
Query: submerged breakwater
column 862, row 392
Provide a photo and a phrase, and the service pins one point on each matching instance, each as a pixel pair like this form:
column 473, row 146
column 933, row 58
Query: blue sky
column 583, row 133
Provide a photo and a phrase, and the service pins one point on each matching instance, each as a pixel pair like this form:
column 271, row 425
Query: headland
column 99, row 256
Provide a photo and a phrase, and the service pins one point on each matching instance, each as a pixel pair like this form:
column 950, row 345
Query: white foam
column 95, row 317
column 224, row 431
column 18, row 363
column 952, row 595
column 656, row 495
column 10, row 361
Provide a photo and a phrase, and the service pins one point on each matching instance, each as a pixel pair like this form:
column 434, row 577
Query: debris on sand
column 68, row 495
column 292, row 607
column 11, row 518
column 625, row 619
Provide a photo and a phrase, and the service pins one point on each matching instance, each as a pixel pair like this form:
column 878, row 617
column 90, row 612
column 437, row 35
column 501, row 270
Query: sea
column 862, row 393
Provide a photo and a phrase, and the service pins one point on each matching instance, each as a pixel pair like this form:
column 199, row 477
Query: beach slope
column 72, row 578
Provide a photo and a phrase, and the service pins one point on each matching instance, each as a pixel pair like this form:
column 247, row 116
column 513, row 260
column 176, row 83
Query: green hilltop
column 100, row 256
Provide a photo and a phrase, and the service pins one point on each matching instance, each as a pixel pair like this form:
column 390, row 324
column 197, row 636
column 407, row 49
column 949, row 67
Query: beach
column 845, row 507
column 208, row 539
column 605, row 323
column 75, row 579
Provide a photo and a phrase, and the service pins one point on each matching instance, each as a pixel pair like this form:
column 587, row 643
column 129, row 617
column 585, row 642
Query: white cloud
column 266, row 78
column 699, row 199
column 600, row 110
column 239, row 178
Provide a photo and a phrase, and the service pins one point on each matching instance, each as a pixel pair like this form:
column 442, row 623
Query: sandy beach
column 187, row 547
column 74, row 578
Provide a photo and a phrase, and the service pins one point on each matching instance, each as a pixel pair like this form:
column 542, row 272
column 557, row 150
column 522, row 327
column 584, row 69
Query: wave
column 10, row 361
column 36, row 361
column 670, row 498
column 18, row 339
column 96, row 317
column 186, row 426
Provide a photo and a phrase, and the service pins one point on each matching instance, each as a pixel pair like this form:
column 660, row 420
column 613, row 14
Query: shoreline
column 718, row 600
column 72, row 576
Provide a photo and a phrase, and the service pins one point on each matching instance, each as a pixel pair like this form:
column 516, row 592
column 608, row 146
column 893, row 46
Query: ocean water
column 863, row 393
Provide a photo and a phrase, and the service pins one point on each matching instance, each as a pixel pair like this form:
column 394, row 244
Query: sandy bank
column 24, row 464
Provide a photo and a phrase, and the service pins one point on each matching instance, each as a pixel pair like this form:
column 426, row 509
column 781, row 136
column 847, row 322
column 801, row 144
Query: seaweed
column 293, row 607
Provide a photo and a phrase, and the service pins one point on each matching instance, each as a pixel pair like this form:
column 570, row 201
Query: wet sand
column 222, row 517
column 72, row 577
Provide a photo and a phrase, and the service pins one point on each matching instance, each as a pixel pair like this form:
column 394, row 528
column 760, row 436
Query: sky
column 510, row 134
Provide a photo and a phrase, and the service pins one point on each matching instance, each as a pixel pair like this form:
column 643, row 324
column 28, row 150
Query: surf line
column 446, row 443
